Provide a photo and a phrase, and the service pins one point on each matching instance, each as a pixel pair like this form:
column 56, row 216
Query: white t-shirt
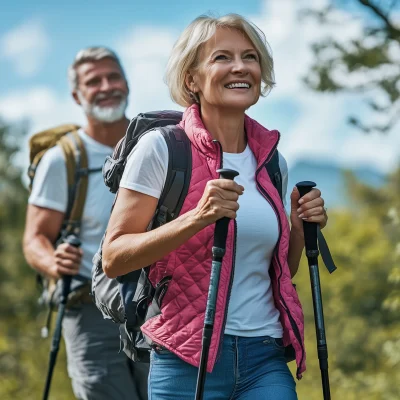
column 251, row 310
column 50, row 191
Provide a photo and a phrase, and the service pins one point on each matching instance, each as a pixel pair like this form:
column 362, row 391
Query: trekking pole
column 218, row 251
column 312, row 252
column 55, row 344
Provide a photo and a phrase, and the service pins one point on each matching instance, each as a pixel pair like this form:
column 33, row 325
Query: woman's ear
column 190, row 84
column 192, row 87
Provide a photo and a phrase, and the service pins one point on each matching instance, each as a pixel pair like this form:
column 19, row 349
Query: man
column 96, row 368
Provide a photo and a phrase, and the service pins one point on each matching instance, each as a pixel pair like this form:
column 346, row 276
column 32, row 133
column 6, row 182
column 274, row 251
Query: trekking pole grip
column 218, row 252
column 55, row 343
column 66, row 279
column 225, row 173
column 310, row 228
column 221, row 226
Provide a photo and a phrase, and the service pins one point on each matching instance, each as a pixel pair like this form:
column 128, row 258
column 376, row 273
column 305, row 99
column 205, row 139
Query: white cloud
column 26, row 46
column 144, row 53
column 41, row 106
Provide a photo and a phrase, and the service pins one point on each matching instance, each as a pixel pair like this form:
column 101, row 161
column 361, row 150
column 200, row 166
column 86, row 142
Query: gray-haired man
column 96, row 368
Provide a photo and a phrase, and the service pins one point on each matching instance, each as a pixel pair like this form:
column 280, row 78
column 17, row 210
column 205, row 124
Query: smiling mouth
column 109, row 100
column 240, row 85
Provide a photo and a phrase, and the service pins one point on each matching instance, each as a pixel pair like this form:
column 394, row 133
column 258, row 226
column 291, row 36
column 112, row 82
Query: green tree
column 23, row 354
column 373, row 56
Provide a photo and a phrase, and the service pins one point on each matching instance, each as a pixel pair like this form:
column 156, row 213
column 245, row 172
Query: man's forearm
column 39, row 253
column 296, row 246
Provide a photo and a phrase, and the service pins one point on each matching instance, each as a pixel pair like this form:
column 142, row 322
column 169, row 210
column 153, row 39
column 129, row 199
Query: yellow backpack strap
column 82, row 175
column 77, row 179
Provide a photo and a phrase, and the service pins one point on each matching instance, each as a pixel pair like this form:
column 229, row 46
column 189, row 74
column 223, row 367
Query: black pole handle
column 305, row 187
column 225, row 173
column 73, row 240
column 55, row 343
column 221, row 226
column 66, row 279
column 310, row 228
column 312, row 252
column 218, row 251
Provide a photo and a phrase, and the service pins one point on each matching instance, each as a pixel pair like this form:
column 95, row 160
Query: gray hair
column 184, row 55
column 90, row 54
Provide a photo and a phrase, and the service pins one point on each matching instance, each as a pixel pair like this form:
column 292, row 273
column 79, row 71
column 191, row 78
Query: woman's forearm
column 130, row 252
column 296, row 246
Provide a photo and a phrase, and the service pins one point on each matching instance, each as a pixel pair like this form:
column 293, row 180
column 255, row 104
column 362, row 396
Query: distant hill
column 330, row 180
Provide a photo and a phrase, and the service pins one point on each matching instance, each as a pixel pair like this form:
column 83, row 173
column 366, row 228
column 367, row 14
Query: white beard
column 104, row 114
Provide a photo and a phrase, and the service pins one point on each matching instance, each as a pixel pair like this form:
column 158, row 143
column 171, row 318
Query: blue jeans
column 248, row 369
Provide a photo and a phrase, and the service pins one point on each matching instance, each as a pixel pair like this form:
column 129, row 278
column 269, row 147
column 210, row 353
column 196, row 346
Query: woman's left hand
column 309, row 208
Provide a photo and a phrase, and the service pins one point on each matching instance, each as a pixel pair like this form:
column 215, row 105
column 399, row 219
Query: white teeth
column 238, row 85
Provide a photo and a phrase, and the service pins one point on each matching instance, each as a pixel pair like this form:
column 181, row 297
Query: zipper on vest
column 220, row 152
column 291, row 319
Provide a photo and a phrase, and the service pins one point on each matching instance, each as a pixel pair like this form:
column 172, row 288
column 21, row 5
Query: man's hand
column 67, row 260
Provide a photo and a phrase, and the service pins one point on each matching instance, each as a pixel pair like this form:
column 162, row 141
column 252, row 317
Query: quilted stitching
column 179, row 327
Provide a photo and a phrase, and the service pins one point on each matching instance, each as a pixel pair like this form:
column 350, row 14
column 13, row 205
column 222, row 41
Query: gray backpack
column 131, row 299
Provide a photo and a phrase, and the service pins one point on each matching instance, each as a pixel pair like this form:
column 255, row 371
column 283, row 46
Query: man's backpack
column 131, row 299
column 74, row 152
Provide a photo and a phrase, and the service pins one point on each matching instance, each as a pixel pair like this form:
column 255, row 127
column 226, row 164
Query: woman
column 218, row 69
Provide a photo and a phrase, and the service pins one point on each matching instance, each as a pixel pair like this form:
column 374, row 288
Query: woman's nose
column 238, row 65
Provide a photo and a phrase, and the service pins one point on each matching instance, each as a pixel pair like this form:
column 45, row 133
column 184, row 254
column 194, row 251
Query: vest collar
column 261, row 141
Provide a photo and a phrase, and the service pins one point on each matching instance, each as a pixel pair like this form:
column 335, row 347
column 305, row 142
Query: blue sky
column 38, row 40
column 76, row 24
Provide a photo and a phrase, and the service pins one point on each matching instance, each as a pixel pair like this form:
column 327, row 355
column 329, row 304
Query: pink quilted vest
column 179, row 326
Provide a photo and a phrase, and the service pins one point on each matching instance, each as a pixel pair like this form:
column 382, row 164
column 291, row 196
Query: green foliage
column 362, row 322
column 371, row 55
column 362, row 302
column 23, row 354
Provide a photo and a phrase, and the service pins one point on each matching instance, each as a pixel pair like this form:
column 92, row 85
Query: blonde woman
column 219, row 67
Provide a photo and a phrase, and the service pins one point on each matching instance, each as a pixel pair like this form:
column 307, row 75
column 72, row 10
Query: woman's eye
column 252, row 56
column 221, row 57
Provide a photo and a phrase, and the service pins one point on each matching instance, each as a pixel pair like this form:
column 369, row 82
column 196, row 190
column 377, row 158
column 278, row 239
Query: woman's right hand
column 220, row 199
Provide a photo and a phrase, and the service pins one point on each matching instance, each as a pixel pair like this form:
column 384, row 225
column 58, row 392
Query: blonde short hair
column 184, row 55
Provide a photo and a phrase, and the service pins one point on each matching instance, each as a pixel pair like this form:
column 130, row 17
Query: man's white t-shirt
column 251, row 310
column 50, row 191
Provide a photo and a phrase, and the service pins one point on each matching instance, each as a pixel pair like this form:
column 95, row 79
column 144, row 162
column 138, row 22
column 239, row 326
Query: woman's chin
column 239, row 105
column 240, row 102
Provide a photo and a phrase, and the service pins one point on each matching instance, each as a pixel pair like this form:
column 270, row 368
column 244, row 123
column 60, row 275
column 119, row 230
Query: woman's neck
column 226, row 126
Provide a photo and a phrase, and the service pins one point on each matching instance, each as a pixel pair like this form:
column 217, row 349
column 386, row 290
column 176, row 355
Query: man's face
column 102, row 90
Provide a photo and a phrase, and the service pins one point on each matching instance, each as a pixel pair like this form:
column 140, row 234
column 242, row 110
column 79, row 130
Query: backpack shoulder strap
column 274, row 172
column 77, row 180
column 169, row 205
column 178, row 174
